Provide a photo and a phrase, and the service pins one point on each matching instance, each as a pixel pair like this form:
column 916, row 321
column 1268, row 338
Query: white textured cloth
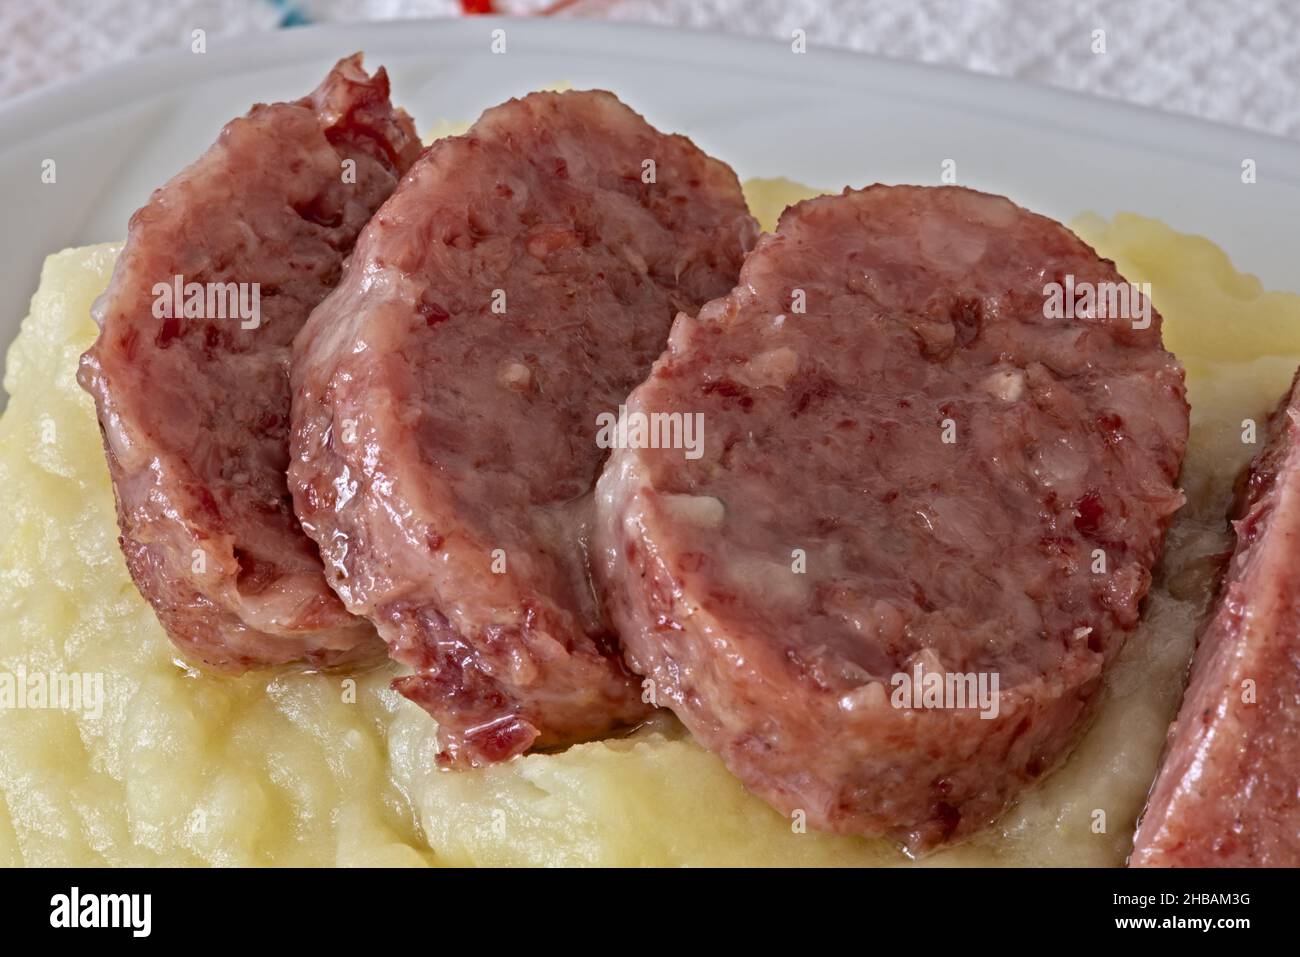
column 1237, row 62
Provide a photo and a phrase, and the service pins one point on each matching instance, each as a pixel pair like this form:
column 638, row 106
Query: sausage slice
column 910, row 468
column 446, row 400
column 190, row 371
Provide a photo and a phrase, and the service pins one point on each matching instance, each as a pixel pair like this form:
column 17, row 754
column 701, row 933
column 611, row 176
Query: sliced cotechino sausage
column 1228, row 792
column 190, row 372
column 448, row 400
column 932, row 484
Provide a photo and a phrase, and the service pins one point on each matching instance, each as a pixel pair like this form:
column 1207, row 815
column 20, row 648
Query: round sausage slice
column 518, row 284
column 924, row 514
column 190, row 372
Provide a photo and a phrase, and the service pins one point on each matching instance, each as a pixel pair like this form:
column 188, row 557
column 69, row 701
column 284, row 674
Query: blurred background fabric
column 1235, row 62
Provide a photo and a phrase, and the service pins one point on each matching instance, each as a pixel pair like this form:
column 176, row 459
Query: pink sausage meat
column 194, row 408
column 518, row 284
column 908, row 469
column 1228, row 792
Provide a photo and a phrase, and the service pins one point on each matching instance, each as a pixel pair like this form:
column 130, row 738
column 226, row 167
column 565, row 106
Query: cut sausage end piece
column 1228, row 791
column 448, row 398
column 895, row 618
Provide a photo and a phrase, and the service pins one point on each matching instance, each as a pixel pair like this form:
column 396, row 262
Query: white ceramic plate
column 824, row 117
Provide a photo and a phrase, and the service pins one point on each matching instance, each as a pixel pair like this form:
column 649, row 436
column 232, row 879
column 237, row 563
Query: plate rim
column 136, row 79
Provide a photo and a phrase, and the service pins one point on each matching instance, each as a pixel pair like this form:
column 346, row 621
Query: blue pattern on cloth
column 290, row 14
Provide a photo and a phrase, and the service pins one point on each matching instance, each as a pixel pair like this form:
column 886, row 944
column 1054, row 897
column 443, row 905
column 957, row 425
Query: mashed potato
column 185, row 768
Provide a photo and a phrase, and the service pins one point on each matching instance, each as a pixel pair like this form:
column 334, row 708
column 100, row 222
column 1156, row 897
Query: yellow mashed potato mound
column 183, row 768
